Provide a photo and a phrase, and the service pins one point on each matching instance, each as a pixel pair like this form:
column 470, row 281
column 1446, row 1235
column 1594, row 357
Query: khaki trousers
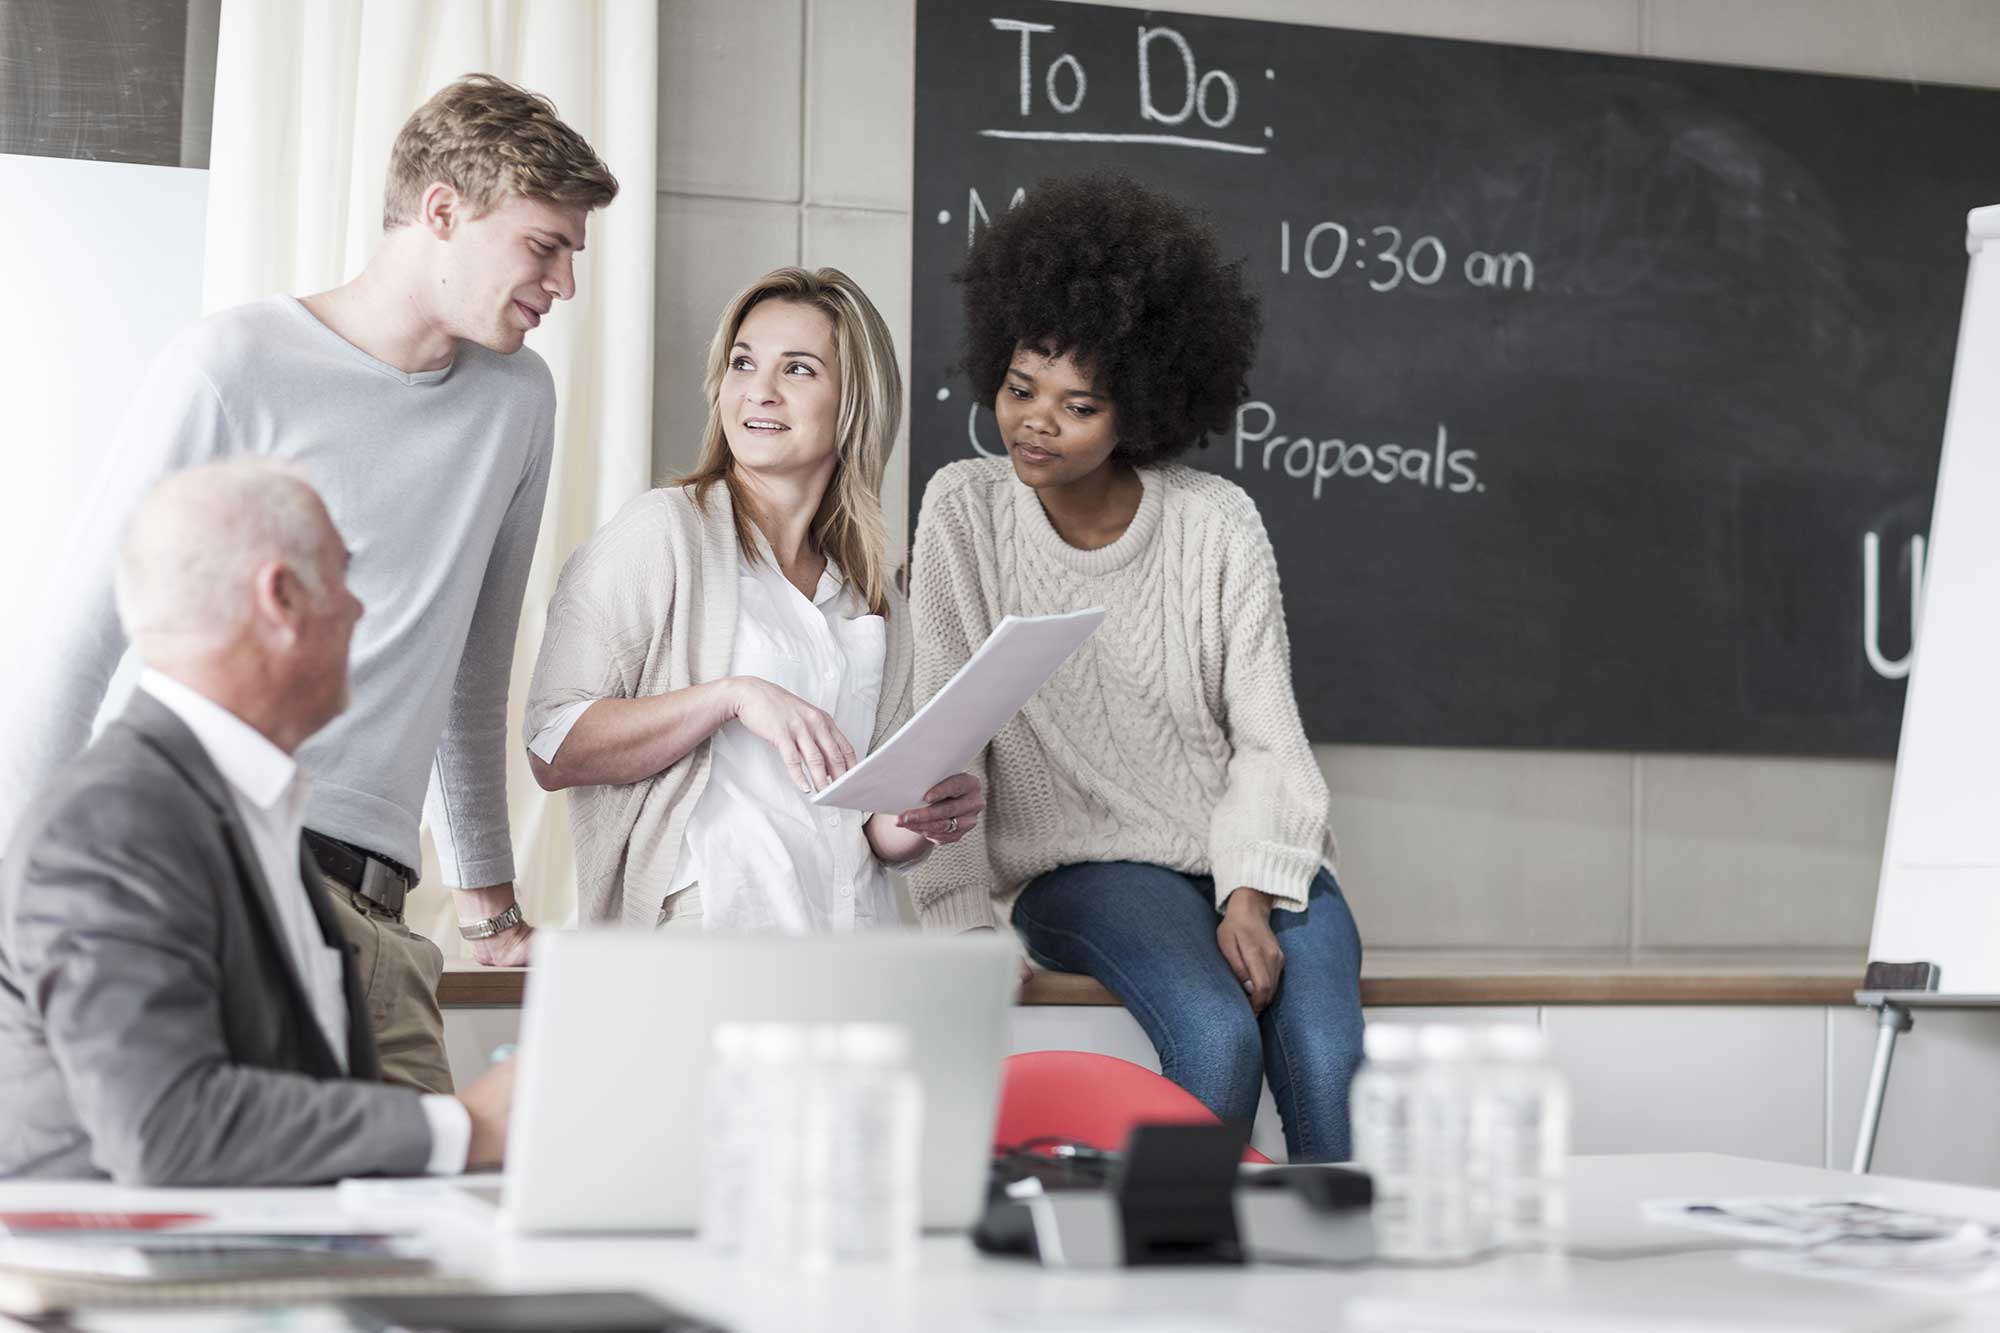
column 399, row 971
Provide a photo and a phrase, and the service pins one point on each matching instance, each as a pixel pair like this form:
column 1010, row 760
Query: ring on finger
column 952, row 825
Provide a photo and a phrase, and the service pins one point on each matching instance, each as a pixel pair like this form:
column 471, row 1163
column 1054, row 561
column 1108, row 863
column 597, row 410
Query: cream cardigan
column 1172, row 736
column 646, row 606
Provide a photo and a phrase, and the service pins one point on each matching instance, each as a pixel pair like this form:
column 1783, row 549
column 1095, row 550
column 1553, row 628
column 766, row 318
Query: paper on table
column 1003, row 674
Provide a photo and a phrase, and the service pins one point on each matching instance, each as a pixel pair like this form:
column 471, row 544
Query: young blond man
column 406, row 397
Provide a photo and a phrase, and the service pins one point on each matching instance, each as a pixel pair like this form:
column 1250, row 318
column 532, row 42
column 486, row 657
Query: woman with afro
column 1155, row 816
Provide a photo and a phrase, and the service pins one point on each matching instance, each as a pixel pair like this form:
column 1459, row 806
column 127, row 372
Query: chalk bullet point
column 1269, row 133
column 1482, row 488
column 1270, row 73
column 944, row 216
column 943, row 394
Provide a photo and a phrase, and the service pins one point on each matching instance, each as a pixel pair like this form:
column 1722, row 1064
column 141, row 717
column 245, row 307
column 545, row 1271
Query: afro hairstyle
column 1131, row 285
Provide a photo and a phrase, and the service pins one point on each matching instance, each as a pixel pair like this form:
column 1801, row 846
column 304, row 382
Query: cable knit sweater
column 1171, row 737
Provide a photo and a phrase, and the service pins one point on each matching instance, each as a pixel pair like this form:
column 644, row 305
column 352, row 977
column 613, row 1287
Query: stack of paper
column 1017, row 658
column 53, row 1261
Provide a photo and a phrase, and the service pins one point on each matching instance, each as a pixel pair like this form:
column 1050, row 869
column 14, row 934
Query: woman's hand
column 1250, row 947
column 952, row 812
column 814, row 751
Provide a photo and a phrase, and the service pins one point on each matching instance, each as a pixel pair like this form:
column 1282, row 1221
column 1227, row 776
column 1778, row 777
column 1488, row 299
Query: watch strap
column 487, row 927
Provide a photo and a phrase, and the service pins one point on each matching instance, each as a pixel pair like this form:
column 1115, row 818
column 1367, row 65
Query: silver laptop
column 616, row 1031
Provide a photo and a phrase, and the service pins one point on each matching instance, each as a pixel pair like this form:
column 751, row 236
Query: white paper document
column 1017, row 658
column 1849, row 1239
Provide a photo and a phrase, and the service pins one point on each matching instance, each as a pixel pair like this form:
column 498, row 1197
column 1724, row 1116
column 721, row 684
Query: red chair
column 1090, row 1099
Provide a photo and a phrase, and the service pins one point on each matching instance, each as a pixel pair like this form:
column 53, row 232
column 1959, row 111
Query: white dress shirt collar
column 244, row 756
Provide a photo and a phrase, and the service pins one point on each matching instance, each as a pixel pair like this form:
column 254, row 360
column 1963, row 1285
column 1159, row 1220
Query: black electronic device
column 1325, row 1189
column 1177, row 1195
column 522, row 1312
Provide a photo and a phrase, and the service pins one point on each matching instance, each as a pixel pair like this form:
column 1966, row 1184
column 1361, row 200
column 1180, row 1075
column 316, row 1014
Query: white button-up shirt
column 269, row 793
column 764, row 858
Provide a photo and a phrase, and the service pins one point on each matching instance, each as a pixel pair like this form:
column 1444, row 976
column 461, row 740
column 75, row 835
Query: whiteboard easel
column 1939, row 896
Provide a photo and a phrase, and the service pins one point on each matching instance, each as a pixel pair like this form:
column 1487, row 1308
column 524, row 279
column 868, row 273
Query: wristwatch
column 493, row 925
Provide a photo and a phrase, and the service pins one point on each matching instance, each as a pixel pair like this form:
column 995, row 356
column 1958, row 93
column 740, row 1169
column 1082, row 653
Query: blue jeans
column 1148, row 934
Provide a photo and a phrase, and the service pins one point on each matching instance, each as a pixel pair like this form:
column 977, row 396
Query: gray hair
column 197, row 540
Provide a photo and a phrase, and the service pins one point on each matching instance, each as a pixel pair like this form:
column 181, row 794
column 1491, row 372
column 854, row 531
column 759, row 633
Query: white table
column 1635, row 1276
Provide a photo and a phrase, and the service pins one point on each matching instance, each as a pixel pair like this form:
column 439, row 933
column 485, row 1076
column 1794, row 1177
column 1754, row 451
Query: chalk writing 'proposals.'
column 1173, row 90
column 1258, row 447
column 1314, row 463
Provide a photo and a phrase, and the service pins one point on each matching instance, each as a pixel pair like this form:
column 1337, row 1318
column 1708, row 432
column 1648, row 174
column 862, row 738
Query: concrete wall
column 785, row 137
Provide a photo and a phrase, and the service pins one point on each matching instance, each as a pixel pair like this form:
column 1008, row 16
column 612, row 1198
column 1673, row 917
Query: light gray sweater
column 435, row 480
column 1171, row 737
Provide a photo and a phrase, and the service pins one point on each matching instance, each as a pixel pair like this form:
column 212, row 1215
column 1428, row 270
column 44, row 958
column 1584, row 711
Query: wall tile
column 730, row 78
column 874, row 249
column 860, row 68
column 1937, row 1121
column 1760, row 853
column 1459, row 1015
column 1749, row 1081
column 709, row 249
column 1951, row 41
column 1483, row 849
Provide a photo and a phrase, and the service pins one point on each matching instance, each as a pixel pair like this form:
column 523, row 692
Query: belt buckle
column 382, row 886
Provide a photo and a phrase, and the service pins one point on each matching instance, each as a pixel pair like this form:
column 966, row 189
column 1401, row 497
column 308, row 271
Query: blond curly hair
column 488, row 139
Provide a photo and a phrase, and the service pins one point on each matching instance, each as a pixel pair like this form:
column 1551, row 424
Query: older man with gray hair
column 177, row 1002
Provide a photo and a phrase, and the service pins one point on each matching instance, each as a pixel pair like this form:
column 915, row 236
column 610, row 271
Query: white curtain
column 309, row 95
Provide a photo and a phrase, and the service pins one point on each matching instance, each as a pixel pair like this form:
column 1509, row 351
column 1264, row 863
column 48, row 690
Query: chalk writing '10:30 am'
column 1322, row 250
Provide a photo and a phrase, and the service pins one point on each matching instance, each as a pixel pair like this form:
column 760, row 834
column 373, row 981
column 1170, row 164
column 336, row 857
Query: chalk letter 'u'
column 1871, row 605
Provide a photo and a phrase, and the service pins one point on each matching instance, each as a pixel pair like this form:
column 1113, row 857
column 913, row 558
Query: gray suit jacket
column 152, row 1025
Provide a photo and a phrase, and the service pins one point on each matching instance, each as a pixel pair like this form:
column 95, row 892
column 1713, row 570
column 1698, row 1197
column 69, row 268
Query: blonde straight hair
column 848, row 528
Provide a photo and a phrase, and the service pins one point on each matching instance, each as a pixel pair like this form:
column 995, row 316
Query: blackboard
column 108, row 80
column 1585, row 378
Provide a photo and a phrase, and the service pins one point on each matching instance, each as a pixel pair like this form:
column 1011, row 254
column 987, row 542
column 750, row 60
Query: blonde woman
column 731, row 643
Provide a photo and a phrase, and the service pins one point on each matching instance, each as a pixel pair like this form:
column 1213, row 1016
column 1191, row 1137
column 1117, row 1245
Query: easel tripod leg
column 1890, row 1020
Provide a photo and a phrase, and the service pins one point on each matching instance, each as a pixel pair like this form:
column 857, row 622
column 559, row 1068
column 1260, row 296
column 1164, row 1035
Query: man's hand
column 507, row 949
column 488, row 1099
column 1250, row 947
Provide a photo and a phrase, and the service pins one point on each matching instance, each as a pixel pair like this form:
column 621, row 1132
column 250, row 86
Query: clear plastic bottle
column 1449, row 1215
column 863, row 1198
column 1382, row 1110
column 728, row 1139
column 774, row 1112
column 1524, row 1104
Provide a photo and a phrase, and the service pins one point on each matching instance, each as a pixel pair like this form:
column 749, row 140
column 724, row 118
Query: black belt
column 381, row 881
